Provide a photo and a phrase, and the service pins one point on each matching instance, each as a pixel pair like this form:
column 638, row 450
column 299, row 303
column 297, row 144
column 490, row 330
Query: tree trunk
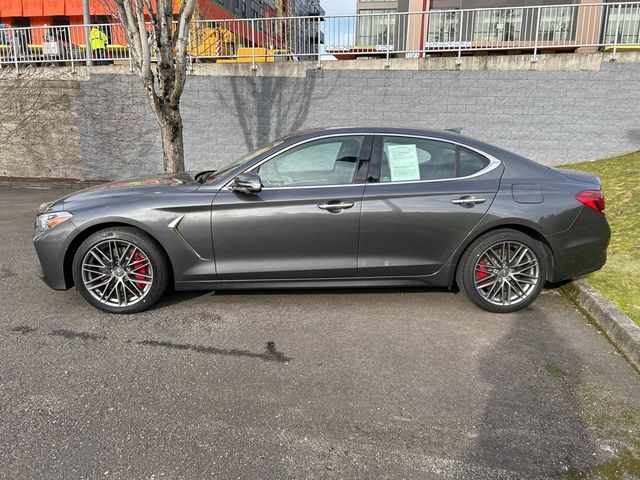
column 170, row 122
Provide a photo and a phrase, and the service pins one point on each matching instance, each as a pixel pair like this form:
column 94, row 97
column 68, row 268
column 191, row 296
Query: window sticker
column 403, row 162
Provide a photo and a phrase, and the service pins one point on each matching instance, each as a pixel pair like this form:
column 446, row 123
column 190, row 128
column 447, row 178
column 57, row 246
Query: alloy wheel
column 506, row 273
column 117, row 273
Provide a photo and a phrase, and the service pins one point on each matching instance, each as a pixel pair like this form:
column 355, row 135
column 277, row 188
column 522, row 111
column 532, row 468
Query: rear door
column 304, row 222
column 423, row 196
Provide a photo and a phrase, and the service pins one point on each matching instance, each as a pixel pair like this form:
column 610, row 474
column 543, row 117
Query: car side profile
column 338, row 207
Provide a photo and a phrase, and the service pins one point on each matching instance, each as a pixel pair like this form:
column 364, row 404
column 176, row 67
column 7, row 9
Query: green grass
column 619, row 280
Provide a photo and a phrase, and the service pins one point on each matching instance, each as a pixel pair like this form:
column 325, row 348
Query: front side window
column 330, row 161
column 413, row 159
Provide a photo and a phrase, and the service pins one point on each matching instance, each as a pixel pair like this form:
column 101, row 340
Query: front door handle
column 468, row 201
column 335, row 206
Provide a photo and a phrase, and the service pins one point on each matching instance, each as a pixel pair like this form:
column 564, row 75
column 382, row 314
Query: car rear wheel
column 503, row 271
column 120, row 270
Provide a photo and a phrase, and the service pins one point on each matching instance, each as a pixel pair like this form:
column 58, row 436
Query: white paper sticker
column 403, row 162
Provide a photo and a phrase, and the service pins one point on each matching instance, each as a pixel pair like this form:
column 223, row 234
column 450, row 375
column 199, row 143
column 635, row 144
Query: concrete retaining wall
column 96, row 124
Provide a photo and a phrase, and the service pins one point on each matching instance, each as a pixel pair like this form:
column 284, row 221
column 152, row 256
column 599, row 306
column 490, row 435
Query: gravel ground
column 313, row 384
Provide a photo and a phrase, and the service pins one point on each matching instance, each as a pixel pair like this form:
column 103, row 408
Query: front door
column 304, row 221
column 423, row 198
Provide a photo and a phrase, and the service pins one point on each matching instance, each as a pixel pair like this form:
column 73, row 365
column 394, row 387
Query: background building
column 498, row 21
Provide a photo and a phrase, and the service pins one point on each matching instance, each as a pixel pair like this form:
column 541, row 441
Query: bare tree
column 164, row 79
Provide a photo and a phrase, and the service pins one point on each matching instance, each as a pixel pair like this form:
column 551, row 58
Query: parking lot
column 312, row 384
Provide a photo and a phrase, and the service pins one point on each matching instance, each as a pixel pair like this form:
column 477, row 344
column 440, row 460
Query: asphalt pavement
column 310, row 384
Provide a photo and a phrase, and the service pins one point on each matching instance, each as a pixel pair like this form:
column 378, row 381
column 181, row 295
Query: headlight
column 46, row 221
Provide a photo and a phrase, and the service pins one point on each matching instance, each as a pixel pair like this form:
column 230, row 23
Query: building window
column 443, row 27
column 497, row 25
column 556, row 23
column 623, row 24
column 377, row 28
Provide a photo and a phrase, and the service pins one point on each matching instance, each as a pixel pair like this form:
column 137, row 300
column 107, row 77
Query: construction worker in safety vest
column 99, row 42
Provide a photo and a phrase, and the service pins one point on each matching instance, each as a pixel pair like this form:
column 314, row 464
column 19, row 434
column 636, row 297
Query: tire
column 121, row 270
column 503, row 271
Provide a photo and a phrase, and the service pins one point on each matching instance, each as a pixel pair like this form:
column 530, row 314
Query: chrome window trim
column 493, row 161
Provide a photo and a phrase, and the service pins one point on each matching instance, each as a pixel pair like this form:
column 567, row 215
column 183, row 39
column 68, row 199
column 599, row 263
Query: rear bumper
column 582, row 248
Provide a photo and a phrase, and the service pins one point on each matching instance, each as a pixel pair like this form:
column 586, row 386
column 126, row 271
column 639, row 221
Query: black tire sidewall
column 140, row 240
column 464, row 276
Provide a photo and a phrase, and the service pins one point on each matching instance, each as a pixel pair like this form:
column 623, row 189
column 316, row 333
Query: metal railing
column 549, row 28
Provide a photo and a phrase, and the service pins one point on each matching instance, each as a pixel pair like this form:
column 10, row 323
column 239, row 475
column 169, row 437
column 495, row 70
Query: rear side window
column 413, row 159
column 470, row 162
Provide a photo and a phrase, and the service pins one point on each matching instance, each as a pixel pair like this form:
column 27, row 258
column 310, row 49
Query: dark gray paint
column 395, row 234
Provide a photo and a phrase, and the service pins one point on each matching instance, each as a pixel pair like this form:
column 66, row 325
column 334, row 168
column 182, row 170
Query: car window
column 412, row 159
column 470, row 162
column 330, row 161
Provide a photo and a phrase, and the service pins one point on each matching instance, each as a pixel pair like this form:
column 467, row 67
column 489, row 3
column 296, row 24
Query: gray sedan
column 343, row 207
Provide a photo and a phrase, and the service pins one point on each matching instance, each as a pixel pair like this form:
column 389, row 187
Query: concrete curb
column 622, row 331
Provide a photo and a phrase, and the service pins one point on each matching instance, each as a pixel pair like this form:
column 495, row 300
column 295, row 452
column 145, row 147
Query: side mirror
column 247, row 183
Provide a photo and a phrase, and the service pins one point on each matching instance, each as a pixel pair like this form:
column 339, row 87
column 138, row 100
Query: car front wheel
column 503, row 271
column 120, row 270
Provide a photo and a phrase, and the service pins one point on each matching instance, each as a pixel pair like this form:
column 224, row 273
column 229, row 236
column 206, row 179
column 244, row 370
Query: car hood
column 164, row 183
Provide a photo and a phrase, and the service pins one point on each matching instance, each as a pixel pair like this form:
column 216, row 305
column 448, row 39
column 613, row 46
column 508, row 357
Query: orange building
column 37, row 13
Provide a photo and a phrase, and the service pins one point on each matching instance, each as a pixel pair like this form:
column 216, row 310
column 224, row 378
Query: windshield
column 244, row 159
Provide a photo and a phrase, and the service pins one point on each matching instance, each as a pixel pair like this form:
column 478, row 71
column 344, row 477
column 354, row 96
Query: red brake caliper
column 482, row 271
column 139, row 273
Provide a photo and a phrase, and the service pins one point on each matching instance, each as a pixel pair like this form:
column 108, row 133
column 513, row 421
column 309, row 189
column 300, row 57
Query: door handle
column 335, row 206
column 467, row 200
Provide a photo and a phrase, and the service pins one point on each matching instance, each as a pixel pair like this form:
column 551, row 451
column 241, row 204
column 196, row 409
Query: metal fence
column 549, row 28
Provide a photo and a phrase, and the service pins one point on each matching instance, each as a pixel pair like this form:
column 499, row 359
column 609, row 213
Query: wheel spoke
column 487, row 284
column 118, row 293
column 97, row 258
column 93, row 287
column 130, row 259
column 91, row 270
column 516, row 287
column 518, row 255
column 138, row 294
column 138, row 267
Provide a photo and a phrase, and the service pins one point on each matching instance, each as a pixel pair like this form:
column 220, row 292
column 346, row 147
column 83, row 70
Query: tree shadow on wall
column 270, row 107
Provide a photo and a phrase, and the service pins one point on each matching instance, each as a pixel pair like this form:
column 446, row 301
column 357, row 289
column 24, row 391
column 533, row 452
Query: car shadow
column 532, row 423
column 176, row 298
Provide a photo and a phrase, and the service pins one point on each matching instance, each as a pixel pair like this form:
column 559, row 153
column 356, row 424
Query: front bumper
column 51, row 247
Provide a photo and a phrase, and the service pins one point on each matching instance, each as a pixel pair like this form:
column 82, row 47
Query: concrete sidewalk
column 326, row 384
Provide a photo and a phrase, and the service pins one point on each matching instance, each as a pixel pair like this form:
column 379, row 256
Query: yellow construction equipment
column 257, row 54
column 205, row 41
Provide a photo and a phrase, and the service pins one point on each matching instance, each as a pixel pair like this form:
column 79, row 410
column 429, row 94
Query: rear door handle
column 335, row 206
column 468, row 200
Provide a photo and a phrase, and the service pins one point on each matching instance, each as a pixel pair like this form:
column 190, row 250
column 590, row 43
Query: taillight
column 594, row 199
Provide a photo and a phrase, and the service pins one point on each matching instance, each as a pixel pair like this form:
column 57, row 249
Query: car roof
column 437, row 134
column 503, row 155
